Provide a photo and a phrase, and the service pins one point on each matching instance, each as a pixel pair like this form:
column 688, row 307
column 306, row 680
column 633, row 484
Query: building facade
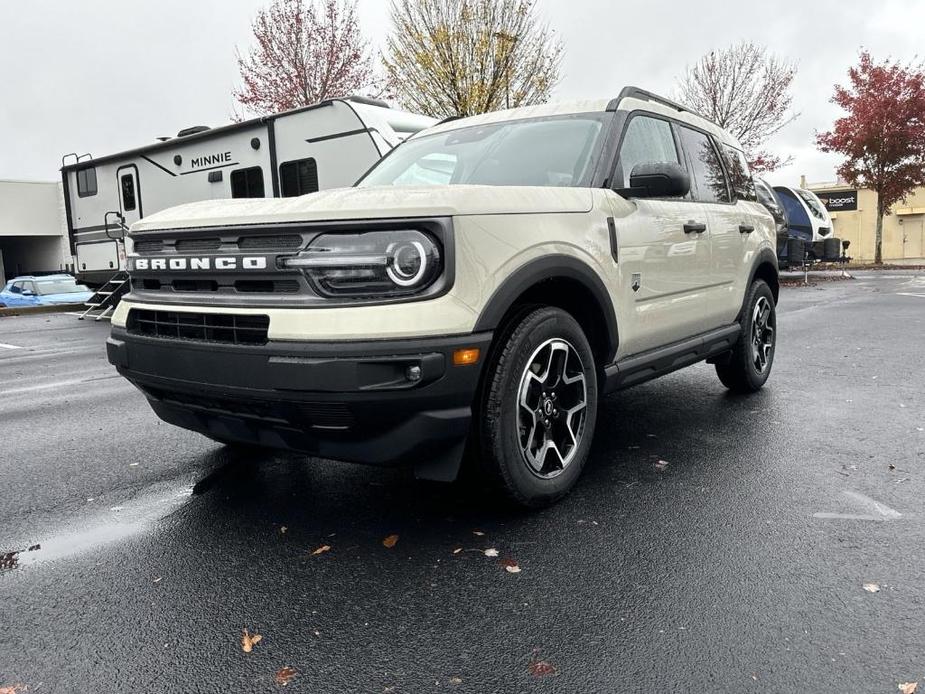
column 33, row 233
column 854, row 215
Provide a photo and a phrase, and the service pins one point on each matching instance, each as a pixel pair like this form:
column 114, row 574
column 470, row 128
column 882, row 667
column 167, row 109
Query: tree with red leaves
column 882, row 134
column 306, row 51
column 745, row 91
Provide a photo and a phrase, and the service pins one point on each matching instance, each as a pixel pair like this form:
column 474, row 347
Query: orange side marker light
column 466, row 357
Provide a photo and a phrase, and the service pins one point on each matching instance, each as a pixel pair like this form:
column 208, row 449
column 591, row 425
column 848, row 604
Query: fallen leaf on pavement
column 478, row 533
column 908, row 687
column 321, row 550
column 456, row 680
column 871, row 587
column 457, row 550
column 540, row 668
column 510, row 566
column 13, row 689
column 390, row 541
column 248, row 640
column 285, row 676
column 491, row 552
column 283, row 529
column 661, row 464
column 892, row 467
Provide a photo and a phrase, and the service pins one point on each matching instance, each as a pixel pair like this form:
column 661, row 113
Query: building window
column 247, row 183
column 298, row 177
column 86, row 182
column 127, row 182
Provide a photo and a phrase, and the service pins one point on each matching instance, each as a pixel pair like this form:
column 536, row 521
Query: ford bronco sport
column 477, row 292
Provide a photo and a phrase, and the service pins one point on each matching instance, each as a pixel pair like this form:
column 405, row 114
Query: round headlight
column 407, row 263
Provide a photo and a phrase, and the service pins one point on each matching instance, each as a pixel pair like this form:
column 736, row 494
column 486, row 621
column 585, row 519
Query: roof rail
column 367, row 100
column 637, row 93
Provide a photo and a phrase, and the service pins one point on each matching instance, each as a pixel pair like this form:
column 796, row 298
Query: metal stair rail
column 104, row 301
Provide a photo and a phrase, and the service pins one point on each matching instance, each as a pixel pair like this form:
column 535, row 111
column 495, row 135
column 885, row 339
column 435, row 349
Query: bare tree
column 305, row 51
column 463, row 57
column 746, row 91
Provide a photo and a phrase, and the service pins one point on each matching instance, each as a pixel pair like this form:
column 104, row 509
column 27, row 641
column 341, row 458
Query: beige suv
column 472, row 297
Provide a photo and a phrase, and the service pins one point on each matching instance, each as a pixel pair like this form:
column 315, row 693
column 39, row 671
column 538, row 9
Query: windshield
column 813, row 203
column 556, row 151
column 62, row 286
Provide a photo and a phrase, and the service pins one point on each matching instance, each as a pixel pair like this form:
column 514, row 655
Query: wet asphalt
column 714, row 543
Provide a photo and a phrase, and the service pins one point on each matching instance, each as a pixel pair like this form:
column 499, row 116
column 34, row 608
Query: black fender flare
column 546, row 268
column 765, row 257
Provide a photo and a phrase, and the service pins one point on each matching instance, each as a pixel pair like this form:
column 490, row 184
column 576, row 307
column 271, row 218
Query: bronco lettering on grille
column 202, row 263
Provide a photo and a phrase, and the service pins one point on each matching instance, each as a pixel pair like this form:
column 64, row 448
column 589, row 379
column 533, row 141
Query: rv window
column 247, row 183
column 298, row 177
column 128, row 192
column 86, row 182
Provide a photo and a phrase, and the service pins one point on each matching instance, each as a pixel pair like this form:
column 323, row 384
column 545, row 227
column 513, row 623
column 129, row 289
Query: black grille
column 319, row 415
column 230, row 329
column 150, row 246
column 267, row 286
column 184, row 245
column 270, row 242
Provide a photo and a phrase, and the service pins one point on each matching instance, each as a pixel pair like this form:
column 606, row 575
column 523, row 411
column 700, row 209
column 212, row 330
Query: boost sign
column 840, row 201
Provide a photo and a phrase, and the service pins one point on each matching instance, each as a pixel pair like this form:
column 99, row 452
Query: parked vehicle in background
column 484, row 285
column 810, row 222
column 789, row 251
column 328, row 145
column 44, row 290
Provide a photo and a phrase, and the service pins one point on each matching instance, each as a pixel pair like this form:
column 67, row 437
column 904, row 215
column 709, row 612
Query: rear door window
column 708, row 177
column 743, row 186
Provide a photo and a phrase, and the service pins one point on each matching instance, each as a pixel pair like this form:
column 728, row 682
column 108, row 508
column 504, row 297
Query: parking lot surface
column 771, row 543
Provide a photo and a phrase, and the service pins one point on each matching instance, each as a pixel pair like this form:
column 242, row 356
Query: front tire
column 539, row 408
column 749, row 365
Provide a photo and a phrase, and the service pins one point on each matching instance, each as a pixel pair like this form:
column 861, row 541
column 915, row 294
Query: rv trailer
column 328, row 145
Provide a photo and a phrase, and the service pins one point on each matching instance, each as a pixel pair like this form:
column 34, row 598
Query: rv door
column 129, row 204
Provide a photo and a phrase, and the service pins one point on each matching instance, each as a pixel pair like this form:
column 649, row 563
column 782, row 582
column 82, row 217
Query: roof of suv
column 630, row 99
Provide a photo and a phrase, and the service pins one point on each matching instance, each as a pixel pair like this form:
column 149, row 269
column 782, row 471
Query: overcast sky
column 100, row 76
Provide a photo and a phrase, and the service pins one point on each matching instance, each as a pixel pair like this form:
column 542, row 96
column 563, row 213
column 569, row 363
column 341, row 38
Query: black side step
column 645, row 366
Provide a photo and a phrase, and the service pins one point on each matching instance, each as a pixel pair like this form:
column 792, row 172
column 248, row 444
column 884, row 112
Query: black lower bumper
column 381, row 402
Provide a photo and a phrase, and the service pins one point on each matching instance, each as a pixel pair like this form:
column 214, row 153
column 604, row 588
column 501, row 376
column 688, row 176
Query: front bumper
column 352, row 401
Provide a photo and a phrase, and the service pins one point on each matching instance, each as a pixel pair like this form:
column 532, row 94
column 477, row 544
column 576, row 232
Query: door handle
column 693, row 227
column 746, row 228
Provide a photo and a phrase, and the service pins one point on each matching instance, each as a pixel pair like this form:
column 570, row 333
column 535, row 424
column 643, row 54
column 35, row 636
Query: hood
column 373, row 203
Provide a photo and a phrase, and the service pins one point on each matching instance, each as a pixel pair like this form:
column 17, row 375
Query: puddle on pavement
column 106, row 526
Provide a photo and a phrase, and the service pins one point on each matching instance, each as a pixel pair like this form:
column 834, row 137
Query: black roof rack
column 637, row 93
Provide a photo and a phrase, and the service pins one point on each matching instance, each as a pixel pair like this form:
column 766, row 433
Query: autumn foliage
column 746, row 91
column 304, row 51
column 464, row 57
column 882, row 134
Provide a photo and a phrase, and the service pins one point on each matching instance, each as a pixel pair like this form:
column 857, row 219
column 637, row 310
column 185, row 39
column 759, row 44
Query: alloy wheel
column 552, row 406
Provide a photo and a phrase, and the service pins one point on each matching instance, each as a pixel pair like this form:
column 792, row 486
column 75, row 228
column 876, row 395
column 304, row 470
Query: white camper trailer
column 328, row 145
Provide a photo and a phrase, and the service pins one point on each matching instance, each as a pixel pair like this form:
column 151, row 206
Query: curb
column 29, row 310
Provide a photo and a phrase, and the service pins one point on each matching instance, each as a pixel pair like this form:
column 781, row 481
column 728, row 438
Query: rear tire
column 537, row 414
column 749, row 364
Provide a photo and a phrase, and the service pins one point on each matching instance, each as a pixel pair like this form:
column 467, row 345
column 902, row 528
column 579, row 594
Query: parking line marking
column 881, row 512
column 920, row 296
column 3, row 345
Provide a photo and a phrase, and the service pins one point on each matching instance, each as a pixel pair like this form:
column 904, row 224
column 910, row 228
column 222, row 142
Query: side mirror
column 658, row 180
